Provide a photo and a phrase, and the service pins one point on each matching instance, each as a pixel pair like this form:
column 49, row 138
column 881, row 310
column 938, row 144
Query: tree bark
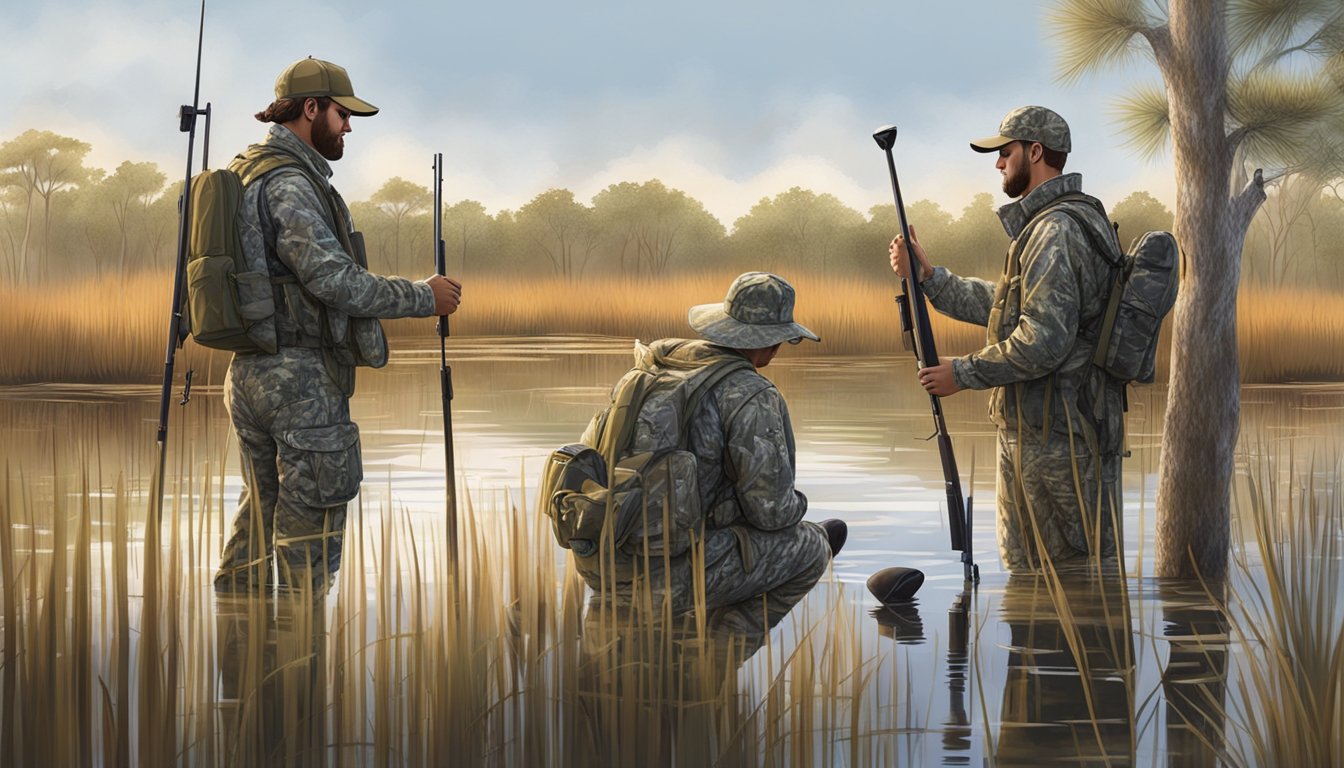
column 1204, row 399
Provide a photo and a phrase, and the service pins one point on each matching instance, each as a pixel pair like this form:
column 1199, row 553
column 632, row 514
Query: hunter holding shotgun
column 1059, row 417
column 291, row 409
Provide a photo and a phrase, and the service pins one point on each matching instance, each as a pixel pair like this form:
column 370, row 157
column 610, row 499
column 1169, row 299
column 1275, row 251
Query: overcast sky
column 729, row 101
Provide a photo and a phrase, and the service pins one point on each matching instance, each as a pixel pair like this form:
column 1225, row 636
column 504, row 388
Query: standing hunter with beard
column 1059, row 417
column 291, row 410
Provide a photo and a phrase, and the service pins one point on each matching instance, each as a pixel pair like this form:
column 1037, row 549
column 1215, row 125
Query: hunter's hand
column 939, row 380
column 900, row 259
column 447, row 294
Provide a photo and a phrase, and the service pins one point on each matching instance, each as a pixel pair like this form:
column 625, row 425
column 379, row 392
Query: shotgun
column 445, row 372
column 917, row 333
column 177, row 324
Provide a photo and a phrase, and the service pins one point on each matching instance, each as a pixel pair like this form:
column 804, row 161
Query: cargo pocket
column 321, row 466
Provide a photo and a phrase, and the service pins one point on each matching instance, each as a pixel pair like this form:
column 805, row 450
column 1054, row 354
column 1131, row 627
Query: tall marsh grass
column 117, row 652
column 1288, row 700
column 116, row 331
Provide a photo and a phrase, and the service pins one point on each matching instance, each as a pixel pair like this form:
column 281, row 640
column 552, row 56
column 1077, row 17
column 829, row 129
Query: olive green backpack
column 612, row 507
column 230, row 297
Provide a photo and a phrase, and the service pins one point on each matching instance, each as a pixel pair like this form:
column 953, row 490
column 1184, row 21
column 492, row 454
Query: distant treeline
column 60, row 218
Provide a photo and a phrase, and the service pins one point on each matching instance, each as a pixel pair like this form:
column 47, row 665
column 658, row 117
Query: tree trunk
column 1203, row 403
column 45, row 264
column 27, row 235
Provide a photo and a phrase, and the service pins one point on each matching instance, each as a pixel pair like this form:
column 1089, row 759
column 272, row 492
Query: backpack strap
column 256, row 164
column 719, row 372
column 262, row 169
column 617, row 430
column 1117, row 269
column 1110, row 253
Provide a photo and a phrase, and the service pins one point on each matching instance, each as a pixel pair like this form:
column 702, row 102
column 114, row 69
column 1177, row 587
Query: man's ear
column 310, row 108
column 1035, row 152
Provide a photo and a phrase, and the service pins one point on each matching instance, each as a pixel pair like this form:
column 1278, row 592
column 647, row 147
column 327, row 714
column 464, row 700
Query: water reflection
column 272, row 700
column 656, row 691
column 957, row 728
column 862, row 458
column 1069, row 694
column 1194, row 683
column 900, row 622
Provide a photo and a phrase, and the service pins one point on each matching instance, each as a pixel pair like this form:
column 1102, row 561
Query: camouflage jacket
column 741, row 437
column 332, row 277
column 1041, row 317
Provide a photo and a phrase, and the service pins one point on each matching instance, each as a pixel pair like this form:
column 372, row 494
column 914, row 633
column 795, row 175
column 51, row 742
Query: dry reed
column 1288, row 699
column 420, row 663
column 417, row 665
column 116, row 332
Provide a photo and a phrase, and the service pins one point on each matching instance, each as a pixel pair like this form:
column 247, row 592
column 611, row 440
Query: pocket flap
column 336, row 437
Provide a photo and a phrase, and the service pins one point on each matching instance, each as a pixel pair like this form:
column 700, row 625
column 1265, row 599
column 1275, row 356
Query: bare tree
column 561, row 228
column 654, row 226
column 43, row 163
column 130, row 190
column 798, row 227
column 12, row 205
column 1245, row 81
column 463, row 223
column 397, row 199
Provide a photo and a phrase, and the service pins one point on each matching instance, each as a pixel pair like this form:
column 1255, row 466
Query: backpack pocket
column 651, row 509
column 570, row 483
column 1132, row 348
column 662, row 508
column 213, row 321
column 1141, row 298
column 320, row 466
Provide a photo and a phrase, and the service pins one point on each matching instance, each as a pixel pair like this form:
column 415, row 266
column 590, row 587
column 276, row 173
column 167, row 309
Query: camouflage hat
column 311, row 77
column 756, row 313
column 1036, row 124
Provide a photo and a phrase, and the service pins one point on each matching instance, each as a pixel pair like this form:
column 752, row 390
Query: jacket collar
column 281, row 138
column 1016, row 214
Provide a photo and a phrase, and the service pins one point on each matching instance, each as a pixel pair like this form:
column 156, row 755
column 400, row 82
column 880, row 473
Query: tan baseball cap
column 314, row 77
column 1031, row 123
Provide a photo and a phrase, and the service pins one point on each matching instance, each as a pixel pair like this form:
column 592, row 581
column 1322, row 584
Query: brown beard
column 328, row 143
column 1016, row 184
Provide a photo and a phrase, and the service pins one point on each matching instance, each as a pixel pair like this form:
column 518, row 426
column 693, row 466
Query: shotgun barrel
column 445, row 371
column 917, row 331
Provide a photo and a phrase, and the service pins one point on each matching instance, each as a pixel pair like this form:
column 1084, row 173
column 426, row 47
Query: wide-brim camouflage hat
column 311, row 78
column 1035, row 124
column 756, row 313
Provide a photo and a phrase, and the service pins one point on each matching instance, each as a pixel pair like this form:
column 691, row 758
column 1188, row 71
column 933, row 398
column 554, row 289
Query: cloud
column 725, row 116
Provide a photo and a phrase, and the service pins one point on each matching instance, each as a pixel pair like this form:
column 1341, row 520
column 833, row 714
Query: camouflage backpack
column 230, row 297
column 628, row 506
column 1147, row 277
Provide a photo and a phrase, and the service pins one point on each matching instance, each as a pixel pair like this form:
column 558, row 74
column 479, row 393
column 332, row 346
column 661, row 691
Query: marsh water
column 985, row 674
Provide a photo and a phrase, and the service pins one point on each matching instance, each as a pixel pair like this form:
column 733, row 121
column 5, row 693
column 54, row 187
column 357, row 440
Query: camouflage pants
column 300, row 465
column 752, row 578
column 1054, row 499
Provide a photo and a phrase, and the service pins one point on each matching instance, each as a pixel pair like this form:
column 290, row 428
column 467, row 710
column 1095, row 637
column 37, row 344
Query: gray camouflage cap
column 1036, row 124
column 756, row 313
